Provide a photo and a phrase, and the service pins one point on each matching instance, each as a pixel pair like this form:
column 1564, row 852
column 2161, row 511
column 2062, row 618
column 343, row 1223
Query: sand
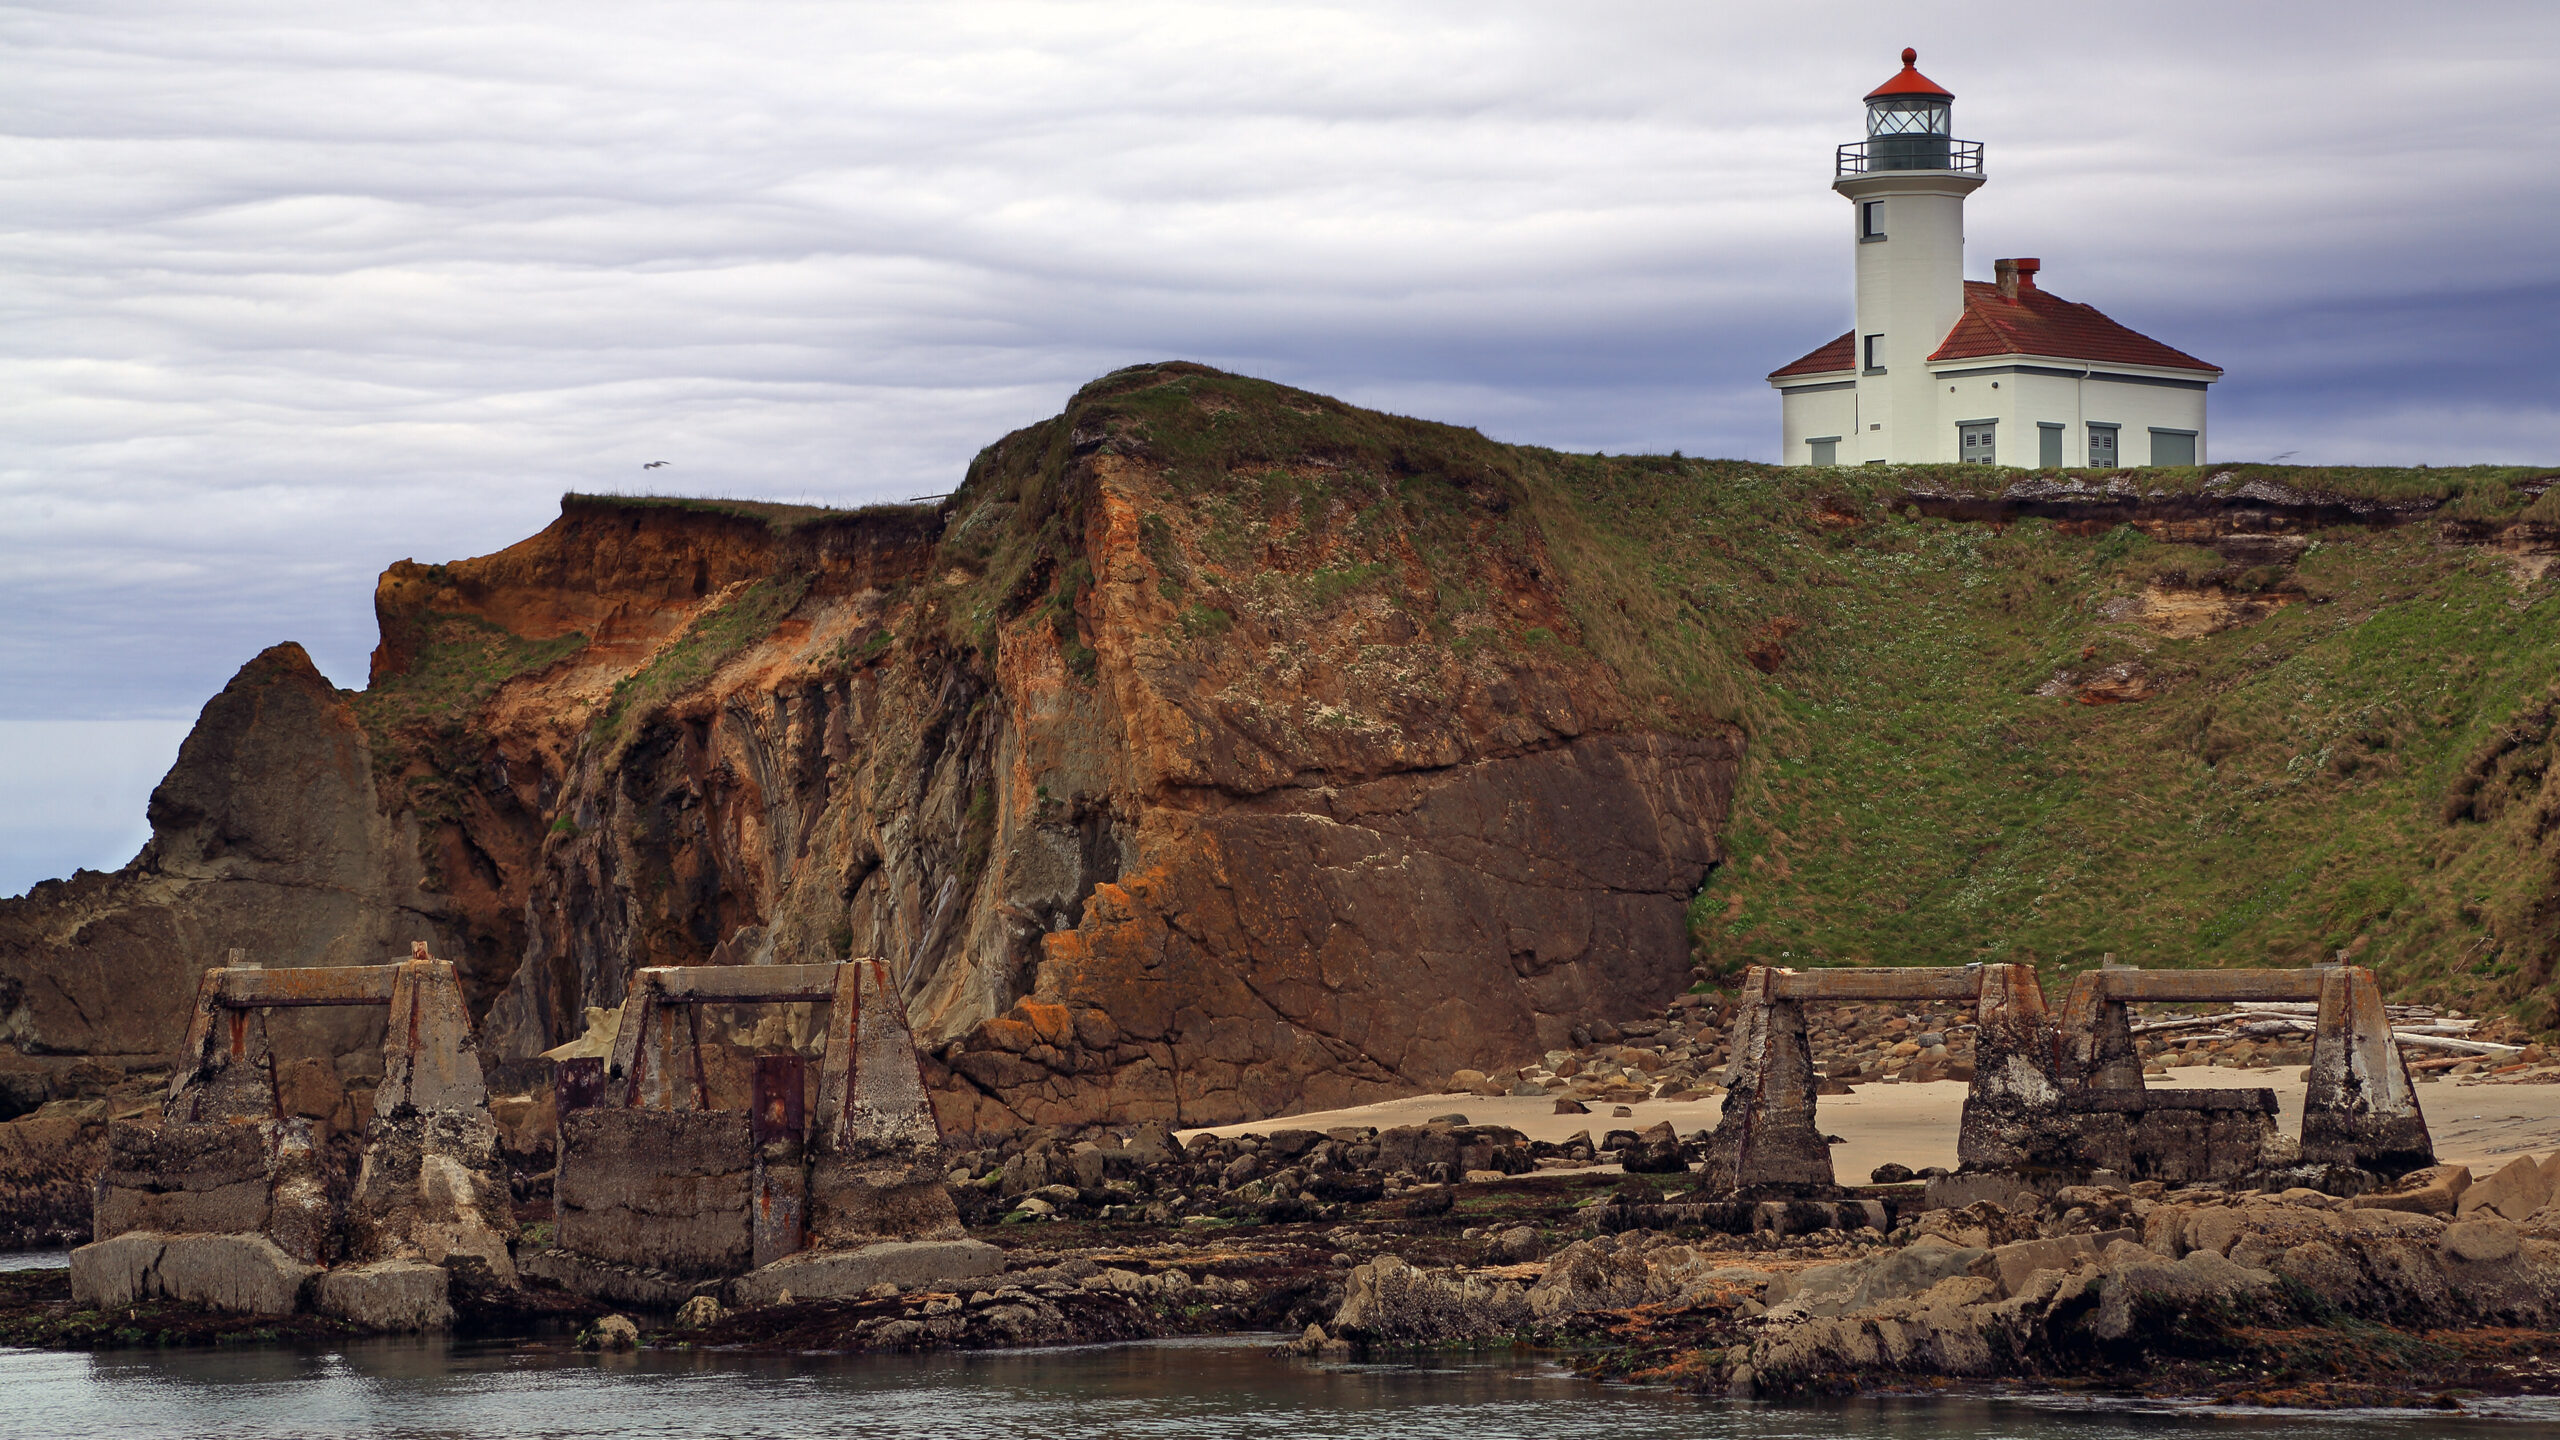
column 2479, row 1125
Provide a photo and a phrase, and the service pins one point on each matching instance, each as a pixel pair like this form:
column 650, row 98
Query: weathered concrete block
column 433, row 1186
column 838, row 1274
column 660, row 1190
column 610, row 1281
column 2015, row 1116
column 399, row 1295
column 854, row 1202
column 245, row 1274
column 2185, row 1136
column 183, row 1178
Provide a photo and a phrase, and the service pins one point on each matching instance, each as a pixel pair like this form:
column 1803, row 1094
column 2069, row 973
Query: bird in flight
column 652, row 465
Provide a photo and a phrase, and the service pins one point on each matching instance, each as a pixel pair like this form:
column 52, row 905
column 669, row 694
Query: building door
column 1974, row 445
column 1825, row 451
column 2049, row 444
column 2102, row 447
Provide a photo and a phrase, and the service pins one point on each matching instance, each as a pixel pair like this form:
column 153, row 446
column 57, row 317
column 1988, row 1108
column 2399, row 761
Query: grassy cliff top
column 2226, row 715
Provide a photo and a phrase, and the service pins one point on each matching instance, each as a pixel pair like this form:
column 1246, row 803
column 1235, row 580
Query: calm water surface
column 1200, row 1390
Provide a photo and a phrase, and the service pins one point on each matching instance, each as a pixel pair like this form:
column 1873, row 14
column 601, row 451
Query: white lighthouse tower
column 1939, row 369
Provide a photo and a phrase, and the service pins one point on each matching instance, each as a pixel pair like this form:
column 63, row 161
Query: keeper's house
column 1943, row 368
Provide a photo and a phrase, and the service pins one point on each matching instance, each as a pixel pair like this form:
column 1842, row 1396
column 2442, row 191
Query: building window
column 2173, row 447
column 1826, row 451
column 1875, row 354
column 2049, row 444
column 1871, row 220
column 2102, row 447
column 1973, row 442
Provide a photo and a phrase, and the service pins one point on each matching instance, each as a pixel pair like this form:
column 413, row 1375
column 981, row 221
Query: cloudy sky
column 291, row 291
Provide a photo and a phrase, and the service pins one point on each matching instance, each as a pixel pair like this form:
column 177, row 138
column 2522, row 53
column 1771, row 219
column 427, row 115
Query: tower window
column 1875, row 354
column 1871, row 220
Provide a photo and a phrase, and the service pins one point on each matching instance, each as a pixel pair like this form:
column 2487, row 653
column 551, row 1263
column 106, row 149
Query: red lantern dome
column 1910, row 83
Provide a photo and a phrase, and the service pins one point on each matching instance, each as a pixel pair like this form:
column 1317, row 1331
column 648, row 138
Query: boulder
column 2484, row 1240
column 245, row 1274
column 843, row 1274
column 2517, row 1190
column 2139, row 1286
column 1828, row 1290
column 2441, row 1194
column 403, row 1295
column 1388, row 1301
column 1655, row 1152
column 2008, row 1266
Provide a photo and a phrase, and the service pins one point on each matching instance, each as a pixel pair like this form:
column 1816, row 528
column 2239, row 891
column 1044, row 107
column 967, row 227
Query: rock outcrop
column 266, row 836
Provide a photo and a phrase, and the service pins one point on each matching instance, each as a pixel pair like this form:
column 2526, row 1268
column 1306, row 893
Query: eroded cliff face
column 1177, row 784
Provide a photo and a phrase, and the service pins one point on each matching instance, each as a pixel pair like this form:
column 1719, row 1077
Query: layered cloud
column 292, row 291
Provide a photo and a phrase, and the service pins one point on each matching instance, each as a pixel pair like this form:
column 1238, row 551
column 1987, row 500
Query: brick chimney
column 2015, row 275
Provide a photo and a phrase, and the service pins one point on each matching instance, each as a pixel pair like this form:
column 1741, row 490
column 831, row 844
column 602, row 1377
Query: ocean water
column 1182, row 1390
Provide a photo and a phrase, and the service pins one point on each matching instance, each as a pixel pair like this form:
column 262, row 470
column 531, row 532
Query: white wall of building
column 1969, row 390
column 1814, row 411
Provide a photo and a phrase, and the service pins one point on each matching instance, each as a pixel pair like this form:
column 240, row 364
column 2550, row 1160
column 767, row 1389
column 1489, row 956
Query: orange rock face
column 1217, row 750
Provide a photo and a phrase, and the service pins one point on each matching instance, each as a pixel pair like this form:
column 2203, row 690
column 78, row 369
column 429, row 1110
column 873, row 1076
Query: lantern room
column 1910, row 126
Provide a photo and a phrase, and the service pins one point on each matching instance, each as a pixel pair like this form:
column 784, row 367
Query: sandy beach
column 2479, row 1125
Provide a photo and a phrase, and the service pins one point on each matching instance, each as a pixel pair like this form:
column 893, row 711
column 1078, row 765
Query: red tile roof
column 2038, row 323
column 1840, row 354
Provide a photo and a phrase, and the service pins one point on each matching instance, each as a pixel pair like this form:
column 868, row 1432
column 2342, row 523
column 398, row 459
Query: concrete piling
column 1766, row 1140
column 2060, row 1099
column 2361, row 1113
column 429, row 1189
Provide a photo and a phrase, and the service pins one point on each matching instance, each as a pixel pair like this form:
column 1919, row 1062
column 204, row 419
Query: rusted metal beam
column 253, row 989
column 1914, row 982
column 2209, row 985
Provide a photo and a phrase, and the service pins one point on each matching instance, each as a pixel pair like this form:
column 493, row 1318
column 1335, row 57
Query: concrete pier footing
column 225, row 1166
column 661, row 1195
column 2057, row 1100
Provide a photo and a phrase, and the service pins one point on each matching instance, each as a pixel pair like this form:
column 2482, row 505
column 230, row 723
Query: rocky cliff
column 1219, row 749
column 1216, row 750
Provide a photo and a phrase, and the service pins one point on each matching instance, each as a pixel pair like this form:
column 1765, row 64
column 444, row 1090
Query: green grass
column 1909, row 800
column 704, row 646
column 780, row 518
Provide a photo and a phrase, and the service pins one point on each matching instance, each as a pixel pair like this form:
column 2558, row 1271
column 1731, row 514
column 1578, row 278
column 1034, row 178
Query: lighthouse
column 1936, row 368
